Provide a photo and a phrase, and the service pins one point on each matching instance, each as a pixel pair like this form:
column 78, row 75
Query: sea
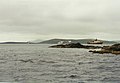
column 37, row 63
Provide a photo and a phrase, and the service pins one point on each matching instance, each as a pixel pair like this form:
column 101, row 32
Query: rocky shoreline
column 75, row 45
column 114, row 49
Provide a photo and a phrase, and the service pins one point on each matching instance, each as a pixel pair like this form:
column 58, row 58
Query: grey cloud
column 56, row 17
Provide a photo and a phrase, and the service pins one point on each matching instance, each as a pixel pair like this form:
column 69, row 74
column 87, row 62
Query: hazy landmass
column 83, row 41
column 55, row 41
column 14, row 43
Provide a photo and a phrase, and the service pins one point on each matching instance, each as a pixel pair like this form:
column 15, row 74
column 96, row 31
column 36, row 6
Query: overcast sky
column 24, row 20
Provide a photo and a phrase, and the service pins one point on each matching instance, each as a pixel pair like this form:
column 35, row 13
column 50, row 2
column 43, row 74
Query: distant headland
column 55, row 41
column 82, row 41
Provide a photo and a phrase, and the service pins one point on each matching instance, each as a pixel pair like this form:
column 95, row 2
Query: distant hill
column 83, row 41
column 118, row 41
column 36, row 41
column 55, row 41
column 16, row 43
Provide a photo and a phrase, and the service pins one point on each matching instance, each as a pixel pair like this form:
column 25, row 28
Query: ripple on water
column 22, row 63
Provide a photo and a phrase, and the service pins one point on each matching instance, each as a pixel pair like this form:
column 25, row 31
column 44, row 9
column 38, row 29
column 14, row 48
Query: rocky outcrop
column 114, row 49
column 74, row 45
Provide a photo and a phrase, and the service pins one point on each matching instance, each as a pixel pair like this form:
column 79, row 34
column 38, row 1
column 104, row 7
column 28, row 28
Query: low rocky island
column 75, row 45
column 114, row 49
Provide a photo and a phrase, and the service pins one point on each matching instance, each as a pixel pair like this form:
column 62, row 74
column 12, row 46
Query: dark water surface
column 40, row 64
